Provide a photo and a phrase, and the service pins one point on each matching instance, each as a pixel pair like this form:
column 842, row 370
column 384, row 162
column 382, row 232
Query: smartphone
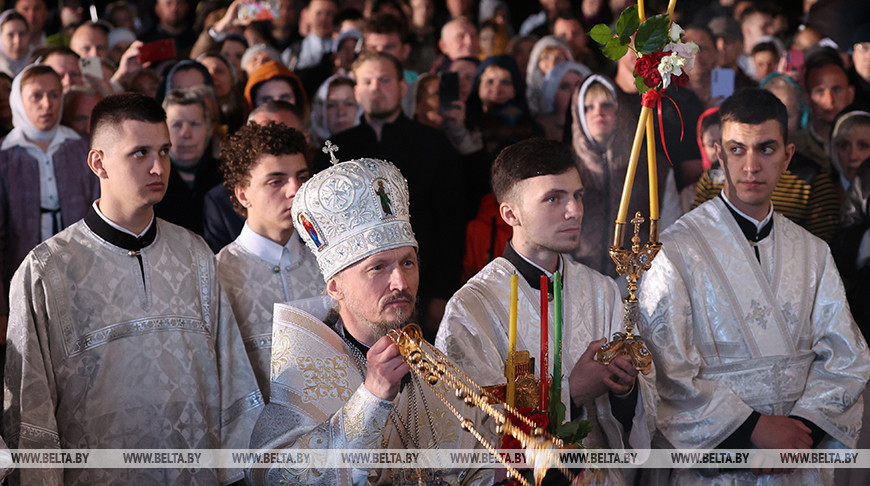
column 721, row 83
column 258, row 10
column 157, row 51
column 91, row 66
column 448, row 90
column 794, row 60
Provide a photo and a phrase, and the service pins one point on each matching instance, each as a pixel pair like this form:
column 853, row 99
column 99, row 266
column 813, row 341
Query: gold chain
column 433, row 367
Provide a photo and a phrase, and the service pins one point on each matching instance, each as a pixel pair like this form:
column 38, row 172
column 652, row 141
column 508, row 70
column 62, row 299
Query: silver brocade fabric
column 730, row 335
column 253, row 287
column 319, row 402
column 98, row 360
column 474, row 334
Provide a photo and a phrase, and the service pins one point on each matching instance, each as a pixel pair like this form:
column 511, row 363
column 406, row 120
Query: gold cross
column 635, row 240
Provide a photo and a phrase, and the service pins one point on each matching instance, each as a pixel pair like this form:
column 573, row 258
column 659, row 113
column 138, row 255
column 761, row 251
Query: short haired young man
column 539, row 191
column 119, row 335
column 263, row 167
column 746, row 316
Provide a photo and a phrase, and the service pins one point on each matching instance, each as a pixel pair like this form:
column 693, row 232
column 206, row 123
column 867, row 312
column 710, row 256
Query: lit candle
column 545, row 325
column 557, row 310
column 653, row 170
column 512, row 342
column 632, row 168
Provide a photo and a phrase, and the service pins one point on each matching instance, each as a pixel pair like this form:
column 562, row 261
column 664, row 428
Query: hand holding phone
column 91, row 66
column 721, row 83
column 448, row 90
column 157, row 51
column 255, row 10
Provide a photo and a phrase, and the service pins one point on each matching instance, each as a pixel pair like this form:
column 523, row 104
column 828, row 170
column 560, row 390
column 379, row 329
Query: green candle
column 557, row 310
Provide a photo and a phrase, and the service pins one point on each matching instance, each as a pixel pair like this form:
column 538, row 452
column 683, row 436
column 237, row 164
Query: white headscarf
column 19, row 114
column 8, row 65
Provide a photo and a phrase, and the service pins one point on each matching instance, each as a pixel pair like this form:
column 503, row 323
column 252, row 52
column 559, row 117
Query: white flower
column 676, row 32
column 669, row 65
column 686, row 50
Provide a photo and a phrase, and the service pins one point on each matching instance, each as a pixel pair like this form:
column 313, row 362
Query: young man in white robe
column 119, row 335
column 540, row 195
column 747, row 320
column 263, row 166
column 338, row 380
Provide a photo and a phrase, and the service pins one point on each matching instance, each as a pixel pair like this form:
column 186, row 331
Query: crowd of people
column 179, row 243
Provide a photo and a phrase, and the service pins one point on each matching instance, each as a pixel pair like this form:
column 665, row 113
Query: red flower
column 647, row 67
column 680, row 80
column 538, row 417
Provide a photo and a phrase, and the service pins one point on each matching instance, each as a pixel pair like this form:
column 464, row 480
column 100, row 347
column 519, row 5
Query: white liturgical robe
column 254, row 274
column 474, row 335
column 731, row 335
column 107, row 351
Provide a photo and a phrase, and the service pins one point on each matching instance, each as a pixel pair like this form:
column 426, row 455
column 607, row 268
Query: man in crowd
column 539, row 191
column 65, row 63
column 829, row 91
column 263, row 167
column 37, row 14
column 354, row 217
column 429, row 163
column 90, row 40
column 119, row 336
column 173, row 22
column 459, row 38
column 746, row 316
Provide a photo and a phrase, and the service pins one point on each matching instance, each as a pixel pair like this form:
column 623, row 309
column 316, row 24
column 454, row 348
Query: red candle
column 545, row 366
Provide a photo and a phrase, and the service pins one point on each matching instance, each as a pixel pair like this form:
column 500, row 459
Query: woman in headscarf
column 15, row 45
column 226, row 89
column 602, row 129
column 559, row 86
column 547, row 53
column 850, row 144
column 45, row 182
column 496, row 82
column 334, row 108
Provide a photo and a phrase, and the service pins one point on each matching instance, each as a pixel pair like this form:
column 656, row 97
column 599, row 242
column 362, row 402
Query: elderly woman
column 45, row 183
column 193, row 170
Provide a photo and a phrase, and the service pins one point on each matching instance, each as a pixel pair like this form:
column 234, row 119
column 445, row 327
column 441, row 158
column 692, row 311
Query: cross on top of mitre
column 330, row 148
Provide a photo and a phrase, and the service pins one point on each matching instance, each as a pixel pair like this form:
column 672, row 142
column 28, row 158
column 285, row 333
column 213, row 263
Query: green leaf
column 601, row 34
column 614, row 49
column 641, row 86
column 652, row 35
column 627, row 24
column 568, row 430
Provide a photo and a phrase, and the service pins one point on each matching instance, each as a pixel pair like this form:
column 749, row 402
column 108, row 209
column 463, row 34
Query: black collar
column 749, row 229
column 116, row 237
column 529, row 272
column 358, row 345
